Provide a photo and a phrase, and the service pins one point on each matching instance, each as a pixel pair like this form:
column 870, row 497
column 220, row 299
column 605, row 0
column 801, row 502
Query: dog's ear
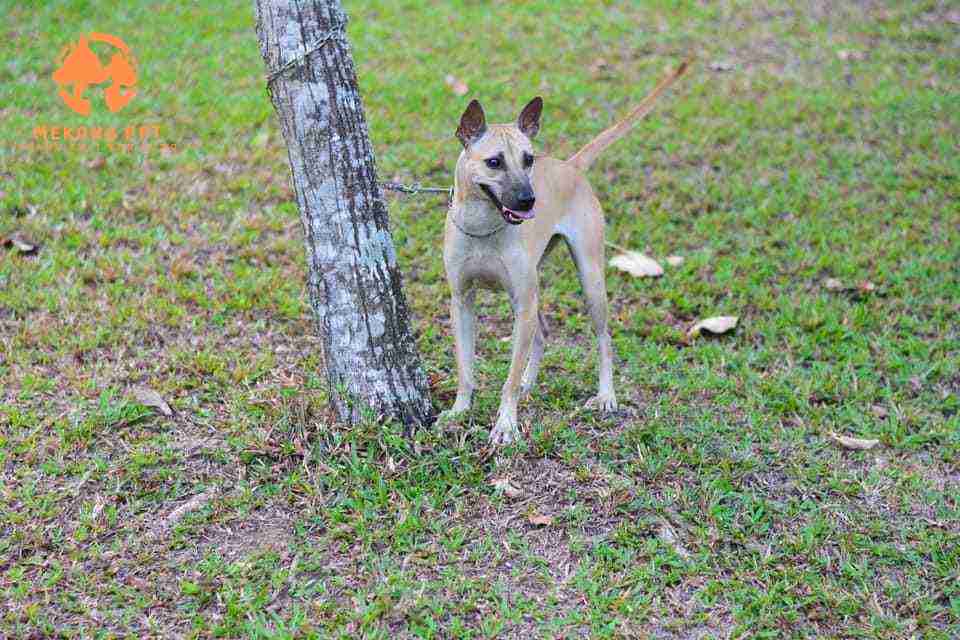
column 529, row 120
column 473, row 124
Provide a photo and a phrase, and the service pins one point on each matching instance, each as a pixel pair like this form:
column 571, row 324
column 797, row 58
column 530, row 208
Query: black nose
column 525, row 204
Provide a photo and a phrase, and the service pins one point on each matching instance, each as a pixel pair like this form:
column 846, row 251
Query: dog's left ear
column 529, row 120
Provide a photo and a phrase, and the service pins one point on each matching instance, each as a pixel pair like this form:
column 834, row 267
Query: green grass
column 717, row 507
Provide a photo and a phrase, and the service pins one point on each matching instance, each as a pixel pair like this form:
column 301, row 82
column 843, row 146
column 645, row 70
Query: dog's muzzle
column 523, row 210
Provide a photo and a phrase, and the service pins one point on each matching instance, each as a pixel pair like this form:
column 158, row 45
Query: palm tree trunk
column 369, row 352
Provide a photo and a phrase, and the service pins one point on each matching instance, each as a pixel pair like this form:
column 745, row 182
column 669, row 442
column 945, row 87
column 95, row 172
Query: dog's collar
column 453, row 219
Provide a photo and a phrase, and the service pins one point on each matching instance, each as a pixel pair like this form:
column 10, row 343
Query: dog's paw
column 605, row 402
column 505, row 430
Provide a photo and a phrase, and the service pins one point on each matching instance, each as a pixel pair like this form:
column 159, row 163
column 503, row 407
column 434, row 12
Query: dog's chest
column 488, row 262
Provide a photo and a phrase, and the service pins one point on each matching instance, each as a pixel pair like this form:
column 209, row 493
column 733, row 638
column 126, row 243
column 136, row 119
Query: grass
column 812, row 141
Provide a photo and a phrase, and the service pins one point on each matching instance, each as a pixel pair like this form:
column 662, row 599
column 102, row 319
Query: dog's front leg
column 505, row 430
column 463, row 317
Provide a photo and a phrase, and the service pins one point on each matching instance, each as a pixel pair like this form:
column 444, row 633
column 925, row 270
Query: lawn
column 807, row 172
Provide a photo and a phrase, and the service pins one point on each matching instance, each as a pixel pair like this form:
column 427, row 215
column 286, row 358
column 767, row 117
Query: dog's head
column 498, row 160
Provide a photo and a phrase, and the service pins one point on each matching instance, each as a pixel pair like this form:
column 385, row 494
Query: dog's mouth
column 509, row 215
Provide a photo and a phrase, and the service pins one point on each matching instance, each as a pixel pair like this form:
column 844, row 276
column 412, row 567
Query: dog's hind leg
column 536, row 355
column 585, row 241
column 540, row 337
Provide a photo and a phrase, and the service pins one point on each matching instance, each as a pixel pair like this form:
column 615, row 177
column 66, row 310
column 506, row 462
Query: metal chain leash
column 416, row 189
column 336, row 31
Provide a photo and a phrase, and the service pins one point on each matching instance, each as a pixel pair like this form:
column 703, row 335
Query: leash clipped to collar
column 417, row 189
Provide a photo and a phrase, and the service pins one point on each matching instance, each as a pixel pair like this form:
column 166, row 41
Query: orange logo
column 80, row 68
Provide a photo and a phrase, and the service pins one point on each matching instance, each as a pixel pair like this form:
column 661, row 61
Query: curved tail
column 585, row 157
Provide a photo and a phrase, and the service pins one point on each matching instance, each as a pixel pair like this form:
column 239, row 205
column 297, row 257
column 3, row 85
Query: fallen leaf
column 832, row 284
column 598, row 65
column 198, row 187
column 669, row 536
column 637, row 264
column 97, row 163
column 150, row 398
column 507, row 488
column 540, row 520
column 457, row 85
column 675, row 261
column 859, row 444
column 22, row 245
column 716, row 325
column 866, row 286
column 850, row 54
column 879, row 411
column 722, row 65
column 182, row 266
column 165, row 525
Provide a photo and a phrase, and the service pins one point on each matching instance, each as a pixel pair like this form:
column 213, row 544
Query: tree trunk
column 369, row 351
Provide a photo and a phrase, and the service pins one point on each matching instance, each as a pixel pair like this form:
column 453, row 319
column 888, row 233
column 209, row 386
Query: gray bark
column 369, row 353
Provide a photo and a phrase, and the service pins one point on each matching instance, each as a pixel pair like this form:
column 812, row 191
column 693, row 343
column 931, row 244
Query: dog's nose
column 525, row 204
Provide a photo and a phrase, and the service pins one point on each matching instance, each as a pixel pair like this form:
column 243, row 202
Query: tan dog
column 508, row 211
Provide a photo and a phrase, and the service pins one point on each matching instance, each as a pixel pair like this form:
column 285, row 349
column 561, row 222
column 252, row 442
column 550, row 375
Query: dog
column 509, row 209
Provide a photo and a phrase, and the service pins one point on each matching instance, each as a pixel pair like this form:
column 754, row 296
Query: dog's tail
column 585, row 157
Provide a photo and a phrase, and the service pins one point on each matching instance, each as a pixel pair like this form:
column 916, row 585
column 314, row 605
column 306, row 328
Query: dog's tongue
column 523, row 215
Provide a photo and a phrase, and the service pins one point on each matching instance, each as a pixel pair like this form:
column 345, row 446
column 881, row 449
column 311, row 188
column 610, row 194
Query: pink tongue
column 523, row 215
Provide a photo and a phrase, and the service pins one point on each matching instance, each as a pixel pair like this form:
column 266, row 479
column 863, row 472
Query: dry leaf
column 675, row 261
column 598, row 65
column 637, row 264
column 508, row 488
column 858, row 444
column 721, row 65
column 540, row 520
column 717, row 325
column 165, row 525
column 669, row 536
column 832, row 284
column 866, row 286
column 457, row 85
column 97, row 163
column 22, row 245
column 150, row 398
column 850, row 54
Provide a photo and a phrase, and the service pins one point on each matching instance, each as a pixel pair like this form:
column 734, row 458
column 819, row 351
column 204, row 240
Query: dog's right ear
column 473, row 124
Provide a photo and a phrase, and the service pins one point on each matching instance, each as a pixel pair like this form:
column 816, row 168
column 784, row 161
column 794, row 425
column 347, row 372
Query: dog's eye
column 494, row 163
column 527, row 160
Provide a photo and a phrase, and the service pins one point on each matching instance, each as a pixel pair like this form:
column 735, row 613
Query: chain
column 415, row 189
column 335, row 31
